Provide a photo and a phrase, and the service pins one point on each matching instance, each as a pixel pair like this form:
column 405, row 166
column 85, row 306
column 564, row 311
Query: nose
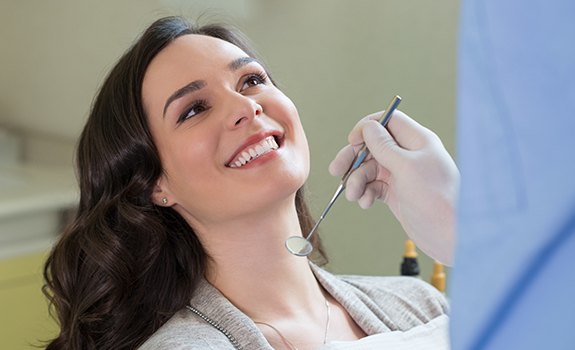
column 244, row 109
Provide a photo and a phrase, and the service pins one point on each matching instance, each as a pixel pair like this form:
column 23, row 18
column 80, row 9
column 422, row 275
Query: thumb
column 381, row 144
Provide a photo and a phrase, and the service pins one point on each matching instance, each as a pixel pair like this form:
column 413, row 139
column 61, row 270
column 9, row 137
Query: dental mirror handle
column 364, row 152
column 357, row 161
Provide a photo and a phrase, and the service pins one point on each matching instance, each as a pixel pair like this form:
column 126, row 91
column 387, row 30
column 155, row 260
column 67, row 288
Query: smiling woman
column 232, row 109
column 191, row 167
column 127, row 260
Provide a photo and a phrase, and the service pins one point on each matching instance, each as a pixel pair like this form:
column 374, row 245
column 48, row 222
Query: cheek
column 286, row 105
column 293, row 123
column 285, row 110
column 305, row 154
column 184, row 161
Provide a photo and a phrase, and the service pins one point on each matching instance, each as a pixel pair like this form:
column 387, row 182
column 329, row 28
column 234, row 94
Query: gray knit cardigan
column 377, row 304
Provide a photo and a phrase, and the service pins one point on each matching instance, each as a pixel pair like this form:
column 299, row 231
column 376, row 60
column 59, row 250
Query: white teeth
column 264, row 146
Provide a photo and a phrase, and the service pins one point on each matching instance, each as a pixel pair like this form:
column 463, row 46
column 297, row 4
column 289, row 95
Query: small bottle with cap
column 438, row 277
column 409, row 265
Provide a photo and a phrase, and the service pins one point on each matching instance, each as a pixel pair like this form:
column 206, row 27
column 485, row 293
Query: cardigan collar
column 211, row 305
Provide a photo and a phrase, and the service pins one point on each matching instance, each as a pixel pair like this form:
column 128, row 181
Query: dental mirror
column 297, row 245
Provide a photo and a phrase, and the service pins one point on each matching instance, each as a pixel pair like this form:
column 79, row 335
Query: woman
column 191, row 169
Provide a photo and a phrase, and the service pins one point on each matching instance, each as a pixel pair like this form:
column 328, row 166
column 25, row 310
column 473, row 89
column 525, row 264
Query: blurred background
column 337, row 60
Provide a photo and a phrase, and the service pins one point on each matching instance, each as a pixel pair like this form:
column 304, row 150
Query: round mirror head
column 299, row 246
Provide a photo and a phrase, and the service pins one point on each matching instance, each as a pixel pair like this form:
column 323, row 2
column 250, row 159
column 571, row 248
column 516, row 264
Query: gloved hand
column 410, row 170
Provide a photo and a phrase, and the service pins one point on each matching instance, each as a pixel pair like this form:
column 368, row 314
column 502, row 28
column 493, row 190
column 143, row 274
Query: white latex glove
column 412, row 173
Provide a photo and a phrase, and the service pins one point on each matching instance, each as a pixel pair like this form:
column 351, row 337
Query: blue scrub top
column 513, row 284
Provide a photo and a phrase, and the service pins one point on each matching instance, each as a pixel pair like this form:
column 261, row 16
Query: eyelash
column 261, row 77
column 202, row 104
column 198, row 104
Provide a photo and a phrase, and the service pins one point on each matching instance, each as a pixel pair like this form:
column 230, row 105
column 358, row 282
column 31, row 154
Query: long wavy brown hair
column 124, row 266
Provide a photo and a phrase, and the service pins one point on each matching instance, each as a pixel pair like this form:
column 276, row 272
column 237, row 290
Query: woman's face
column 230, row 142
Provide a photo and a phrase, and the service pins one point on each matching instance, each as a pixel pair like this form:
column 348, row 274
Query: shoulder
column 401, row 295
column 185, row 331
column 383, row 303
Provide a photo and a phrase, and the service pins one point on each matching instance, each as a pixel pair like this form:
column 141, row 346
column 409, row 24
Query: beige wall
column 338, row 60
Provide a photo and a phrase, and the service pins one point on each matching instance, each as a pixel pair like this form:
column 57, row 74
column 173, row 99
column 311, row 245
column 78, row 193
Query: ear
column 161, row 195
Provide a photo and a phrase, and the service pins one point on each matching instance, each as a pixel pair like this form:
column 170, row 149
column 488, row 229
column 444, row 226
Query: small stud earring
column 164, row 200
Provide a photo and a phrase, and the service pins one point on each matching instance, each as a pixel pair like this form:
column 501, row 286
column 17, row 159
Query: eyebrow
column 240, row 62
column 199, row 84
column 181, row 92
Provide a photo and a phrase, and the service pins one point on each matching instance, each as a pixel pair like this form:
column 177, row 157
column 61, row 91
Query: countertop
column 31, row 188
column 32, row 199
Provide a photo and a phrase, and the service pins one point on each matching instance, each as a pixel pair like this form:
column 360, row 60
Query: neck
column 250, row 265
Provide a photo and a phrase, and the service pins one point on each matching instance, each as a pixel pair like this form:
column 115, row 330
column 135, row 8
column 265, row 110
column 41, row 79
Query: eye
column 197, row 107
column 254, row 79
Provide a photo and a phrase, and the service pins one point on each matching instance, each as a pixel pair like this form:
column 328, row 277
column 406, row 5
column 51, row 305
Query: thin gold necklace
column 290, row 344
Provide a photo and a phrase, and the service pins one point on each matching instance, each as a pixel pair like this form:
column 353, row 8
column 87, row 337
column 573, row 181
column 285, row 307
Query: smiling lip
column 252, row 140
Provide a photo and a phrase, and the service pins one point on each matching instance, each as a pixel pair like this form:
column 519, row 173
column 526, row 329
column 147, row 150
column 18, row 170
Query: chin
column 275, row 193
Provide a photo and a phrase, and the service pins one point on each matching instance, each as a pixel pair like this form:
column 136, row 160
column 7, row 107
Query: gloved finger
column 383, row 146
column 355, row 136
column 374, row 190
column 366, row 201
column 358, row 180
column 345, row 156
column 343, row 160
column 408, row 133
